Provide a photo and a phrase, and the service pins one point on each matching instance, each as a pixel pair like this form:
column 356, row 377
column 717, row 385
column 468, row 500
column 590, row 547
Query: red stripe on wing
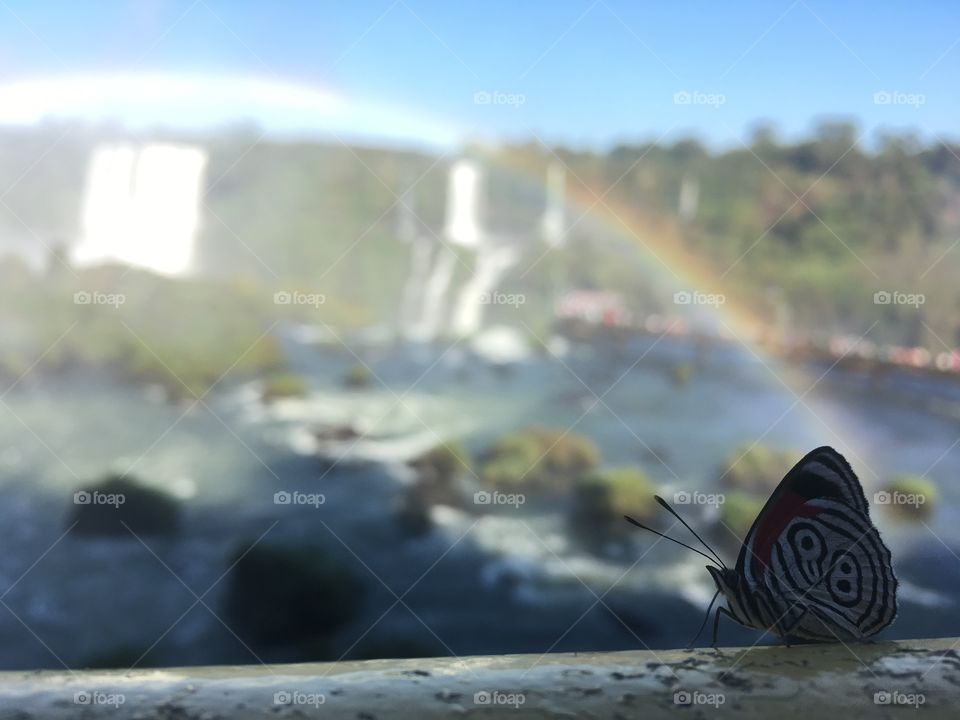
column 771, row 524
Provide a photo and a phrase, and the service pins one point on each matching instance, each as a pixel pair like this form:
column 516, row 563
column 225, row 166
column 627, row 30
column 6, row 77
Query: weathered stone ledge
column 799, row 681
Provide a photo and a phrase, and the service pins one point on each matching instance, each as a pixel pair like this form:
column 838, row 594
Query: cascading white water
column 142, row 207
column 491, row 264
column 421, row 255
column 497, row 253
column 554, row 223
column 428, row 286
column 463, row 205
column 424, row 311
column 432, row 321
column 410, row 229
column 689, row 198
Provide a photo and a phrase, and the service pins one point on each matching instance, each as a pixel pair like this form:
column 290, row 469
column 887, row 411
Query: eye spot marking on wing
column 804, row 549
column 845, row 579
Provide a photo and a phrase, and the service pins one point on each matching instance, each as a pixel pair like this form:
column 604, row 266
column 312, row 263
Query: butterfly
column 813, row 565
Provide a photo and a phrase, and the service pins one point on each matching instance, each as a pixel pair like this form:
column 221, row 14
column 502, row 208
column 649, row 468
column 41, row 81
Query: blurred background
column 351, row 330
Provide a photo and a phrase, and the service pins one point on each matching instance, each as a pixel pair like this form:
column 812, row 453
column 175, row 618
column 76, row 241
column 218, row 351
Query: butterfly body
column 813, row 565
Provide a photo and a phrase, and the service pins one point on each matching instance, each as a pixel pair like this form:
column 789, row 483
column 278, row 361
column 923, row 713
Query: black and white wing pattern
column 813, row 564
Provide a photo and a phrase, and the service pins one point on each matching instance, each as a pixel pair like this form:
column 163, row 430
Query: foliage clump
column 538, row 458
column 278, row 596
column 757, row 469
column 602, row 498
column 123, row 506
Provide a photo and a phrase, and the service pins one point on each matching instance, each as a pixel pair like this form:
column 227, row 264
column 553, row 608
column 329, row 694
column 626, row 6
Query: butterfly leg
column 716, row 623
column 776, row 628
column 794, row 626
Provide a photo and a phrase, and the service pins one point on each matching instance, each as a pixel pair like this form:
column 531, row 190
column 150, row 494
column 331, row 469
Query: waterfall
column 411, row 230
column 428, row 286
column 689, row 198
column 432, row 319
column 424, row 309
column 554, row 223
column 421, row 254
column 491, row 264
column 142, row 207
column 494, row 254
column 463, row 205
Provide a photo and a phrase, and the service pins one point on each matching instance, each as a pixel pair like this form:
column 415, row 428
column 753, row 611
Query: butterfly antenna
column 705, row 618
column 684, row 523
column 666, row 537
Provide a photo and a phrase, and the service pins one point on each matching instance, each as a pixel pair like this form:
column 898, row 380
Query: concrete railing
column 809, row 681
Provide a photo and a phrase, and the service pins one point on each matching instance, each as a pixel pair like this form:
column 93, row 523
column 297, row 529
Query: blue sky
column 578, row 72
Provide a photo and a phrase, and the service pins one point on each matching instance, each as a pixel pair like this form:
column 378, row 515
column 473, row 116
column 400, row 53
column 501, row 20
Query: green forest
column 799, row 234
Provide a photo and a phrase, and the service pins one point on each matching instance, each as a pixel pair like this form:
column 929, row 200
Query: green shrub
column 283, row 385
column 682, row 373
column 539, row 458
column 737, row 513
column 184, row 334
column 757, row 469
column 117, row 503
column 358, row 376
column 601, row 499
column 288, row 596
column 442, row 464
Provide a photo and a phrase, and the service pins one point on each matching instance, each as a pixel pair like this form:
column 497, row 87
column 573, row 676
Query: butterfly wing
column 813, row 564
